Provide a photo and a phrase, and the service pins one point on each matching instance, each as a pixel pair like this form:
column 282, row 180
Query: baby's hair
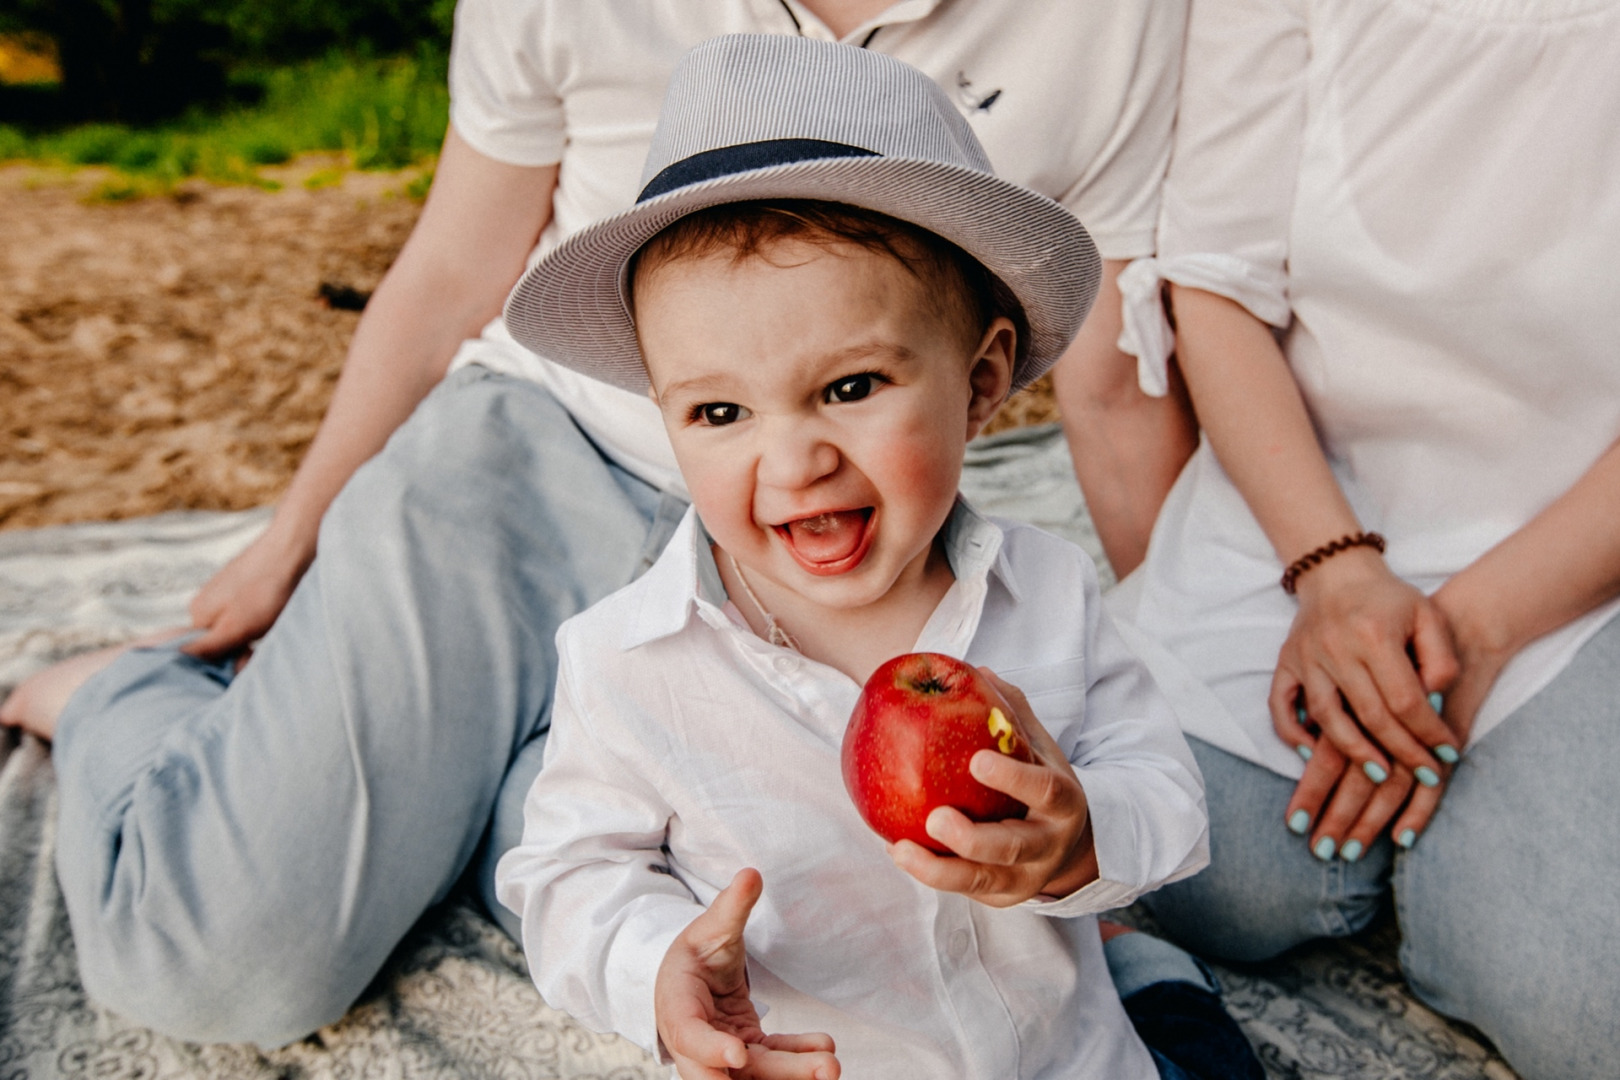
column 961, row 286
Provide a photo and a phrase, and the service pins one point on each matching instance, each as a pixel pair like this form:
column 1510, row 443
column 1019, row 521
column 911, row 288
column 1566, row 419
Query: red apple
column 921, row 717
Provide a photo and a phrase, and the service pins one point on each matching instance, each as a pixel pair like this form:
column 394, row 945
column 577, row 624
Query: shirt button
column 787, row 665
column 959, row 944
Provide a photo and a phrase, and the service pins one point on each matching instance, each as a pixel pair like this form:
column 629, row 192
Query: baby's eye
column 853, row 387
column 718, row 413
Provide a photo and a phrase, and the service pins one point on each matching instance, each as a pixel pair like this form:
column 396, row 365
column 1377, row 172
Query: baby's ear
column 990, row 376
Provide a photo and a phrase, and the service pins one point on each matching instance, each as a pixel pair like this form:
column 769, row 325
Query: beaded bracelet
column 1290, row 578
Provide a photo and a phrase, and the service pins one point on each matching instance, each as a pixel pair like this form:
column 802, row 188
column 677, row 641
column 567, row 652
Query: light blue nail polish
column 1375, row 772
column 1299, row 822
column 1437, row 701
column 1426, row 776
column 1407, row 838
column 1447, row 753
column 1301, row 715
column 1324, row 849
column 1351, row 850
column 1304, row 751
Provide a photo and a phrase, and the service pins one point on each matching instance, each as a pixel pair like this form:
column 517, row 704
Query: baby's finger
column 1415, row 818
column 1349, row 799
column 700, row 1050
column 997, row 843
column 767, row 1062
column 1029, row 725
column 988, row 884
column 1049, row 789
column 1322, row 774
column 1328, row 709
column 802, row 1043
column 1387, row 800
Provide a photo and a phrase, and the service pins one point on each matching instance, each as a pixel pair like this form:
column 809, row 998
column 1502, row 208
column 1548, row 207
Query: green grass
column 381, row 113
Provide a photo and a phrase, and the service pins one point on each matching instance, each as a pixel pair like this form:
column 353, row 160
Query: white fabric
column 1428, row 189
column 684, row 748
column 1075, row 101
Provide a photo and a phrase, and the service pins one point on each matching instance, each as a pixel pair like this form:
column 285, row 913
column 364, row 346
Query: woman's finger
column 1407, row 699
column 1433, row 651
column 1326, row 708
column 1349, row 799
column 1387, row 800
column 1289, row 714
column 1322, row 774
column 1369, row 705
column 1409, row 826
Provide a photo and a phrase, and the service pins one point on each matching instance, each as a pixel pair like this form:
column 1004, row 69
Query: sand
column 175, row 352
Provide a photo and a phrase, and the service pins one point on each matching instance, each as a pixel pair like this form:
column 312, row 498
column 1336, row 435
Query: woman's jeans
column 238, row 862
column 1509, row 903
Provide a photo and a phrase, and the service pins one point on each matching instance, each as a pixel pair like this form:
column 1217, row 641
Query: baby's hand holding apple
column 705, row 1017
column 1002, row 863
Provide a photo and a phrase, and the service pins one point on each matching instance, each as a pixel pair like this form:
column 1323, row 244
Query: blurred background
column 196, row 199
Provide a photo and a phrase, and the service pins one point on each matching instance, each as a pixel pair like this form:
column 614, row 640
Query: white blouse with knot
column 1422, row 197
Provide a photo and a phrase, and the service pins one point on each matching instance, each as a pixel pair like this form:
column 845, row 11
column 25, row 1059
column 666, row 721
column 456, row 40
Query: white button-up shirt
column 684, row 748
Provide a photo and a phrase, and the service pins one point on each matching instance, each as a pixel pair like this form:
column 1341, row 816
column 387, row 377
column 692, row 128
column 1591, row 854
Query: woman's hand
column 1365, row 652
column 1356, row 810
column 237, row 605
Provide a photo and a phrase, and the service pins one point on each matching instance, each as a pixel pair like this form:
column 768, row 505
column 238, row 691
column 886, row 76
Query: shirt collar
column 903, row 11
column 685, row 583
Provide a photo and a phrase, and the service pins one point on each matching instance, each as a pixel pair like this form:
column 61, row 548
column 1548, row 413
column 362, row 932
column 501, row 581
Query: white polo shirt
column 1075, row 101
column 684, row 748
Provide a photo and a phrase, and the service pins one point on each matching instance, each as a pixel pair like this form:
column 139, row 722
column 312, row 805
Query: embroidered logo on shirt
column 969, row 97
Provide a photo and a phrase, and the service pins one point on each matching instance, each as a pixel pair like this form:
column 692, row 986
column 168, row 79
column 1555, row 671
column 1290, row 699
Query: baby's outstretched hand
column 707, row 1020
column 1002, row 863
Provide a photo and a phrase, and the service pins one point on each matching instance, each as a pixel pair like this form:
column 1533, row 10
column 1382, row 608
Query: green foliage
column 381, row 113
column 142, row 60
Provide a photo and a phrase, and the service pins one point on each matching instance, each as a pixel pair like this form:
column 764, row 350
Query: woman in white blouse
column 1390, row 230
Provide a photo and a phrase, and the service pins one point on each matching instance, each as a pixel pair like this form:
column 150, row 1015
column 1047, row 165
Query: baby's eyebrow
column 697, row 385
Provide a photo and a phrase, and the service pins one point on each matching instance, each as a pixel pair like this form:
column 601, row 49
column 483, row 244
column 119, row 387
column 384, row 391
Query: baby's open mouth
column 831, row 542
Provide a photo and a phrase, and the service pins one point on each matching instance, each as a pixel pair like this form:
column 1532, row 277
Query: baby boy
column 828, row 293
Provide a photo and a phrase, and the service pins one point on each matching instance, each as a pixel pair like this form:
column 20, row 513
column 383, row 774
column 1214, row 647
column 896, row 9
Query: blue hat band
column 745, row 157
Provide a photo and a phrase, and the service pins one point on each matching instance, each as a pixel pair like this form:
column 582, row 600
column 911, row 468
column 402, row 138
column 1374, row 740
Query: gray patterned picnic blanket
column 455, row 1000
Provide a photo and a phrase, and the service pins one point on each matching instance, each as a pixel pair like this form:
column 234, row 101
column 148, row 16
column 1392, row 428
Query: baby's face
column 819, row 408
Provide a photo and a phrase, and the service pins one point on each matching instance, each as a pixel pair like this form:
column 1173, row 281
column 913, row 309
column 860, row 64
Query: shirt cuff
column 631, row 967
column 1145, row 331
column 1094, row 899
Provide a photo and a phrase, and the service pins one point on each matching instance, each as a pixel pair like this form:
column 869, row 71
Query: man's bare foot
column 40, row 698
column 1112, row 930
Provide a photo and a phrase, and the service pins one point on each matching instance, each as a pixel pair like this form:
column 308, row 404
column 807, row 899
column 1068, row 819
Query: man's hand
column 707, row 1020
column 1002, row 863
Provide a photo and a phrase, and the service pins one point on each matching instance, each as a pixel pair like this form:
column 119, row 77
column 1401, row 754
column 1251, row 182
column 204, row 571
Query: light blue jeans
column 239, row 855
column 1509, row 904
